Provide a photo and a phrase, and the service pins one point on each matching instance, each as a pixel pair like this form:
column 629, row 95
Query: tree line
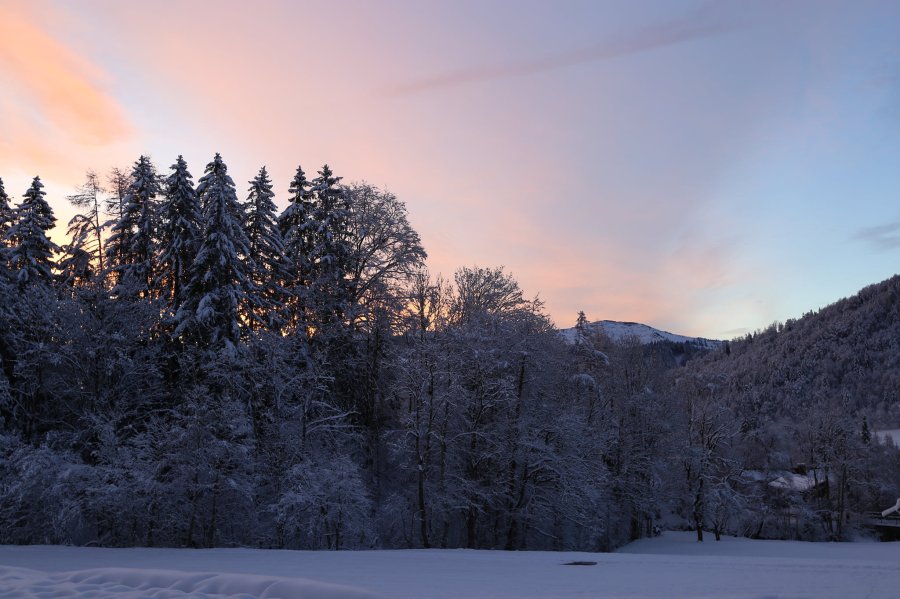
column 193, row 369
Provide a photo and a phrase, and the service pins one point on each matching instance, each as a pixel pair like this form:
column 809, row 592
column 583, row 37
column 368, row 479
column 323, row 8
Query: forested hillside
column 847, row 353
column 808, row 396
column 194, row 368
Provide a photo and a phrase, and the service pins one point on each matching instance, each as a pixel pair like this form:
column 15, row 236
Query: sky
column 707, row 168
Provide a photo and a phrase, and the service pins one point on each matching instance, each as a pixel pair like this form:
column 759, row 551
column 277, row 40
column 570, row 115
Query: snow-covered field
column 668, row 567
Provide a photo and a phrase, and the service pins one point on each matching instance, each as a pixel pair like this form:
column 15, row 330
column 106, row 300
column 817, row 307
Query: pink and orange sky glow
column 703, row 167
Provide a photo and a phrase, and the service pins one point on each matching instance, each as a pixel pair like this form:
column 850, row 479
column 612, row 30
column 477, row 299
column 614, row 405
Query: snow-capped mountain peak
column 624, row 331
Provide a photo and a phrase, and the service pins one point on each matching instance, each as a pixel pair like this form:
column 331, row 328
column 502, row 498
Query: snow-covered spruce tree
column 131, row 248
column 327, row 299
column 31, row 251
column 28, row 335
column 269, row 271
column 296, row 227
column 218, row 280
column 331, row 252
column 6, row 215
column 179, row 233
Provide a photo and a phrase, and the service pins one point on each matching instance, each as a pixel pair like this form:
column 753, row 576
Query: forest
column 195, row 369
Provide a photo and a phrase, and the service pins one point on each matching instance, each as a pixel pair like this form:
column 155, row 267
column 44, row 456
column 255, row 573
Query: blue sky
column 704, row 167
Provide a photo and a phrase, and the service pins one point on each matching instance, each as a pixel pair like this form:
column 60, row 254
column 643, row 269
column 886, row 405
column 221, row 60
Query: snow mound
column 132, row 583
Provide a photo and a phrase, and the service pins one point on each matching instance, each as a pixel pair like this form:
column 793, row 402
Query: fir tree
column 131, row 247
column 581, row 324
column 31, row 252
column 295, row 222
column 6, row 220
column 6, row 215
column 296, row 225
column 218, row 277
column 331, row 251
column 179, row 233
column 269, row 268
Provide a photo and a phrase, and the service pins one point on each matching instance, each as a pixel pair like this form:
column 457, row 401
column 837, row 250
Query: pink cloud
column 65, row 89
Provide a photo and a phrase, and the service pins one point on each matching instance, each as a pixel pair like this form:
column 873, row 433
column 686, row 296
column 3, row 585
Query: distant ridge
column 846, row 354
column 621, row 332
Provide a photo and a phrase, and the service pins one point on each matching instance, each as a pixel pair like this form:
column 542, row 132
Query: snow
column 785, row 479
column 133, row 583
column 642, row 333
column 668, row 567
column 893, row 434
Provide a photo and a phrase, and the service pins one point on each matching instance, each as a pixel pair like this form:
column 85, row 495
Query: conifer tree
column 131, row 247
column 268, row 267
column 331, row 251
column 179, row 233
column 6, row 220
column 31, row 252
column 295, row 222
column 297, row 226
column 218, row 278
column 6, row 215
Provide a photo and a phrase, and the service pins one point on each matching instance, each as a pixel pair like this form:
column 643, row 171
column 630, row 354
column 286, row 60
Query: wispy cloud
column 65, row 91
column 882, row 237
column 709, row 20
column 732, row 333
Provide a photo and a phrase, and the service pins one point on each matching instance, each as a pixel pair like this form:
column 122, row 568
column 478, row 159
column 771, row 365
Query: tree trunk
column 423, row 516
column 698, row 511
column 471, row 520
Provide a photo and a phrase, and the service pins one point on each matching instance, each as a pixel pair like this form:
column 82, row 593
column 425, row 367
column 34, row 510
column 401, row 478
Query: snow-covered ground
column 141, row 583
column 668, row 567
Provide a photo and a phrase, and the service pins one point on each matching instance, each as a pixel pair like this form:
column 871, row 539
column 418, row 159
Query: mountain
column 846, row 356
column 620, row 332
